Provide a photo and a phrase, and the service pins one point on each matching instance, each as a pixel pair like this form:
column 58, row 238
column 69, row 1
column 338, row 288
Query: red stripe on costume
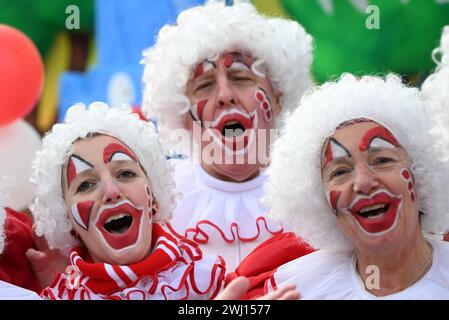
column 377, row 132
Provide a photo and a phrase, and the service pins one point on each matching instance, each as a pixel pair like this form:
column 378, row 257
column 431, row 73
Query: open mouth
column 233, row 129
column 373, row 211
column 376, row 214
column 118, row 224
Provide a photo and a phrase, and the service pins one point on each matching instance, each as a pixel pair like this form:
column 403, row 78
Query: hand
column 240, row 285
column 46, row 262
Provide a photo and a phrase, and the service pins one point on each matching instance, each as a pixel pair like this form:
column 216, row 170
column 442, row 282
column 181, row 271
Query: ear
column 277, row 108
column 154, row 206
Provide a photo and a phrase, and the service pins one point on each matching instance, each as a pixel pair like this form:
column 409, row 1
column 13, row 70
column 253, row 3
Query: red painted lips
column 130, row 236
column 375, row 221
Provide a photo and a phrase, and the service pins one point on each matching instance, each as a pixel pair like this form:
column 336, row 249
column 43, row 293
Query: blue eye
column 85, row 186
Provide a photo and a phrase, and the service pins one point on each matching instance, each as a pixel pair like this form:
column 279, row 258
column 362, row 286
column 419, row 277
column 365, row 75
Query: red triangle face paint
column 81, row 212
column 76, row 166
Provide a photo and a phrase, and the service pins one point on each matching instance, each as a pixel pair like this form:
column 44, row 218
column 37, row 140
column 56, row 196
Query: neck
column 386, row 272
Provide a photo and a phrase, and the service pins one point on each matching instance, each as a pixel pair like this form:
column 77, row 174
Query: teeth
column 119, row 216
column 375, row 207
column 231, row 123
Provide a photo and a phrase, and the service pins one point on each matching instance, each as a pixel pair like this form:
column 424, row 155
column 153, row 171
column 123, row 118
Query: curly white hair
column 295, row 192
column 282, row 46
column 435, row 90
column 49, row 208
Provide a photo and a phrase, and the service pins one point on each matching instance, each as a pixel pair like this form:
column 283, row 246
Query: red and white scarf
column 175, row 270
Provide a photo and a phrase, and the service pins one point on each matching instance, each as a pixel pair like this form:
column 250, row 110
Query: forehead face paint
column 334, row 150
column 81, row 212
column 238, row 61
column 76, row 166
column 117, row 152
column 203, row 67
column 378, row 137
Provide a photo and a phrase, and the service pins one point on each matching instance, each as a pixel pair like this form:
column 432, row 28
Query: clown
column 217, row 83
column 16, row 273
column 365, row 191
column 103, row 194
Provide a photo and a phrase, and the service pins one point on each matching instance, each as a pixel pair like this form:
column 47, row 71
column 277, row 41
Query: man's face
column 370, row 185
column 230, row 106
column 109, row 200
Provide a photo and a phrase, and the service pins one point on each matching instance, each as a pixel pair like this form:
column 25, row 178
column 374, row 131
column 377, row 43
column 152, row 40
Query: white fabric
column 11, row 292
column 331, row 275
column 227, row 216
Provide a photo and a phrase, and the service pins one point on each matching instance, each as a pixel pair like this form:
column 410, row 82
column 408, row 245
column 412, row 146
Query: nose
column 111, row 190
column 226, row 96
column 365, row 181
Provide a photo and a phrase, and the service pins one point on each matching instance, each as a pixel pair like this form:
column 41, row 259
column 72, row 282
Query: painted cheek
column 81, row 212
column 333, row 200
column 198, row 109
column 264, row 104
column 407, row 176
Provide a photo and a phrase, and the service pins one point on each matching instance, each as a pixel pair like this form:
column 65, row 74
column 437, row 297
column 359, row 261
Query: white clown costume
column 223, row 217
column 175, row 268
column 298, row 197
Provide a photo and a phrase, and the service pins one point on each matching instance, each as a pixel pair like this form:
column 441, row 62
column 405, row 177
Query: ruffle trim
column 181, row 279
column 200, row 235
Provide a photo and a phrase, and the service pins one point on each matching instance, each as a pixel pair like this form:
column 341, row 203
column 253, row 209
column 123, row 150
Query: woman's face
column 370, row 185
column 109, row 200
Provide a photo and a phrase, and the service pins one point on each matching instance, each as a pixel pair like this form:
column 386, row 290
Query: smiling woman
column 104, row 190
column 366, row 191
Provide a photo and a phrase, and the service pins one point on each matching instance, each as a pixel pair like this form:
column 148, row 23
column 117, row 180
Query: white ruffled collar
column 216, row 208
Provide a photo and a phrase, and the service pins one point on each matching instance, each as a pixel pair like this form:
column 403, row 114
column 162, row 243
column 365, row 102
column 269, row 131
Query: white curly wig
column 294, row 191
column 436, row 90
column 282, row 46
column 49, row 208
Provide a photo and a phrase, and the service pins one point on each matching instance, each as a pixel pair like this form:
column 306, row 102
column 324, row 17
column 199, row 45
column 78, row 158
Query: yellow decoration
column 270, row 8
column 56, row 62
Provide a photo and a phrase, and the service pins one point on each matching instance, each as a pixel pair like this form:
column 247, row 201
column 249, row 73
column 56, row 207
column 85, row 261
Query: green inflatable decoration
column 42, row 19
column 401, row 39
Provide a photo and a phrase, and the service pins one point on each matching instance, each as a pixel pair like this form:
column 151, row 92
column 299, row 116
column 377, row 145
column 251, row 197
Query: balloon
column 21, row 75
column 18, row 144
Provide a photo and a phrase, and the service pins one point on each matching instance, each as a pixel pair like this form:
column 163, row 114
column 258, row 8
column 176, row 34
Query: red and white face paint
column 76, row 166
column 110, row 204
column 363, row 170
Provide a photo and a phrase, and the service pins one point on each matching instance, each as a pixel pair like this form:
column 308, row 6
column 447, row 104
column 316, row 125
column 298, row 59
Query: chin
column 238, row 172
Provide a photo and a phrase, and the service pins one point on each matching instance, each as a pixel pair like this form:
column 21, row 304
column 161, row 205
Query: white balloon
column 19, row 142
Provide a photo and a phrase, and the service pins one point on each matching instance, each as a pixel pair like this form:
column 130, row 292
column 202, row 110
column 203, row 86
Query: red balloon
column 21, row 75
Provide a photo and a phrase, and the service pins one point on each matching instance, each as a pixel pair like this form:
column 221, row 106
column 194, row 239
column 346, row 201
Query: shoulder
column 322, row 274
